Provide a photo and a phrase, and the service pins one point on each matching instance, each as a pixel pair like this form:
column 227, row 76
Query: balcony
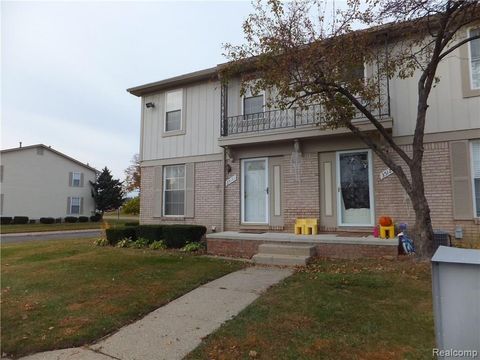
column 290, row 123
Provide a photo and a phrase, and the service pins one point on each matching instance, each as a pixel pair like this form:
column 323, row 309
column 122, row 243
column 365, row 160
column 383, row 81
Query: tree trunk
column 423, row 230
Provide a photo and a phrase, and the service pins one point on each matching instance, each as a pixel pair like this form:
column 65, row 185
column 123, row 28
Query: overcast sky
column 65, row 67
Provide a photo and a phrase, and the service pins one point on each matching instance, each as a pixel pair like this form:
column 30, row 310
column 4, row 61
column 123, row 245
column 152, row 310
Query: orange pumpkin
column 385, row 221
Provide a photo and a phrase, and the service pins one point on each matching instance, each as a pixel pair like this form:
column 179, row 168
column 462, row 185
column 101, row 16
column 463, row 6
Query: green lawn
column 58, row 294
column 20, row 228
column 362, row 309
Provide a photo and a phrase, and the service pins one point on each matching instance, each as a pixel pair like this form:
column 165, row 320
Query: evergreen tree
column 107, row 192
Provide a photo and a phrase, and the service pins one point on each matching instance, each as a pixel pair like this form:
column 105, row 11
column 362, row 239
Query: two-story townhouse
column 38, row 181
column 212, row 156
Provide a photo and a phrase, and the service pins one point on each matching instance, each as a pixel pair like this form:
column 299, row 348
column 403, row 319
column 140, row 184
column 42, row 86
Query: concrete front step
column 280, row 259
column 301, row 250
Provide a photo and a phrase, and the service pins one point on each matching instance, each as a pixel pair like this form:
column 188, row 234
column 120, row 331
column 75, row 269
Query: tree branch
column 385, row 157
column 376, row 123
column 456, row 46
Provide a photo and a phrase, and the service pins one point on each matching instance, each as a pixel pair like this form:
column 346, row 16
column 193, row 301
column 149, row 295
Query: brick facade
column 247, row 248
column 208, row 197
column 392, row 200
column 301, row 193
column 301, row 190
column 232, row 198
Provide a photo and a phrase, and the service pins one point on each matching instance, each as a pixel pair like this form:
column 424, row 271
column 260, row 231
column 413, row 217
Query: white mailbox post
column 456, row 302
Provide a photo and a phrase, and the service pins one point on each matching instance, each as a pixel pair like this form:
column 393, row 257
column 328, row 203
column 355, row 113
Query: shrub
column 83, row 219
column 58, row 220
column 132, row 206
column 20, row 220
column 47, row 220
column 158, row 245
column 140, row 243
column 71, row 219
column 125, row 243
column 150, row 232
column 132, row 223
column 100, row 242
column 96, row 218
column 31, row 221
column 114, row 235
column 5, row 220
column 177, row 236
column 192, row 247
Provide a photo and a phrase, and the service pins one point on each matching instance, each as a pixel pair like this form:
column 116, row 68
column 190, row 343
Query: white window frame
column 370, row 188
column 472, row 170
column 250, row 95
column 79, row 205
column 164, row 189
column 176, row 131
column 242, row 192
column 79, row 179
column 470, row 69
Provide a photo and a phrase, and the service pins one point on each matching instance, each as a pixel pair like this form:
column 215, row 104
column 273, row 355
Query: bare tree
column 294, row 51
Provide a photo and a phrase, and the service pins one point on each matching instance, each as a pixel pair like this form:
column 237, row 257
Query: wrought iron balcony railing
column 282, row 119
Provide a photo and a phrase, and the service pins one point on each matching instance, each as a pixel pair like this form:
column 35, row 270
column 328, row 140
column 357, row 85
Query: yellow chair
column 311, row 226
column 299, row 226
column 306, row 226
column 387, row 232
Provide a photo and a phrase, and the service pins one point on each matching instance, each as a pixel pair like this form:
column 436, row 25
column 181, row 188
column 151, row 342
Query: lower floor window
column 75, row 205
column 476, row 175
column 174, row 190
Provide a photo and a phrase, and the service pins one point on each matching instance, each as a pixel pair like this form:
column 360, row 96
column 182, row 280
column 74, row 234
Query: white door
column 355, row 188
column 255, row 191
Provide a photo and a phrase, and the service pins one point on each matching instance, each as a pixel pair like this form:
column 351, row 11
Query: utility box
column 456, row 302
column 440, row 238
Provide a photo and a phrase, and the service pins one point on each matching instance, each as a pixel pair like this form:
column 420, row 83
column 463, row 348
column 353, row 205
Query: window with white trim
column 476, row 176
column 75, row 205
column 253, row 104
column 173, row 110
column 174, row 190
column 475, row 59
column 76, row 179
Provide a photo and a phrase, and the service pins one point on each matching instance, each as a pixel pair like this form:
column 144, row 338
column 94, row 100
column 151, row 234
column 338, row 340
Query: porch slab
column 245, row 245
column 306, row 239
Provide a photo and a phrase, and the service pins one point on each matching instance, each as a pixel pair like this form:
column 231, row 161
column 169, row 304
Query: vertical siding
column 234, row 99
column 38, row 185
column 448, row 109
column 202, row 124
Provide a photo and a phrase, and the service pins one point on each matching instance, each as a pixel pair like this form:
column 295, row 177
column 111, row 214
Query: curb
column 51, row 232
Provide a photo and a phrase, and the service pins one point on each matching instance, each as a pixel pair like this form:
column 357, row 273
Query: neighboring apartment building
column 214, row 157
column 38, row 181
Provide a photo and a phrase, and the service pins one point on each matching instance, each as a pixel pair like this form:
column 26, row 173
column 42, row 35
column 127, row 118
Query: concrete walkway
column 177, row 328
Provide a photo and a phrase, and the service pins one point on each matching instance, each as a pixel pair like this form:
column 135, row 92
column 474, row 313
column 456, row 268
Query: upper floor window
column 475, row 59
column 174, row 190
column 173, row 110
column 253, row 104
column 76, row 179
